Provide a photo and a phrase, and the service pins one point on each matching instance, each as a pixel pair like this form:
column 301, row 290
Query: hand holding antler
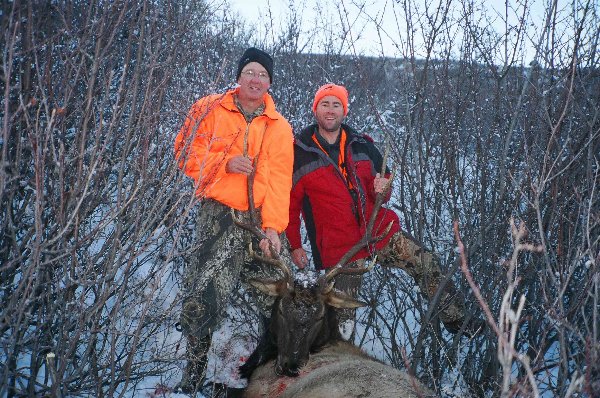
column 239, row 164
column 272, row 237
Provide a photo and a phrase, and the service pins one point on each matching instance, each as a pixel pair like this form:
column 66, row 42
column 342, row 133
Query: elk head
column 303, row 317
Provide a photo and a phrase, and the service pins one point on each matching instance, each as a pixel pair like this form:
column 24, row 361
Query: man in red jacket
column 335, row 183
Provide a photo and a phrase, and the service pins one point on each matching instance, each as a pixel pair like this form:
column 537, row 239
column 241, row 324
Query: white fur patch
column 346, row 329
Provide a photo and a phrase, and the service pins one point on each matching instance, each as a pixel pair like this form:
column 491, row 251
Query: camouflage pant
column 405, row 252
column 214, row 269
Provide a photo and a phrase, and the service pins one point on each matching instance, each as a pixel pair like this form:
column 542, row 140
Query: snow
column 306, row 278
column 231, row 346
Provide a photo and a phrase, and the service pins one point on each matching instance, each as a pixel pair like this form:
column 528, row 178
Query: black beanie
column 255, row 55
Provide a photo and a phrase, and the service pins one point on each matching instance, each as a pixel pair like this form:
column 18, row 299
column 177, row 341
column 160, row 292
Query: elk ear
column 338, row 299
column 271, row 288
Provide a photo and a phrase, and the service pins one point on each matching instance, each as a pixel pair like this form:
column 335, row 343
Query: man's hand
column 299, row 258
column 273, row 237
column 379, row 183
column 240, row 165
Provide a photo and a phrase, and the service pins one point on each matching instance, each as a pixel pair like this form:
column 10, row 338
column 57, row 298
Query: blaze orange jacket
column 213, row 133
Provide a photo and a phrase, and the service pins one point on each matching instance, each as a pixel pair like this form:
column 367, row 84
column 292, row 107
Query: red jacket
column 335, row 218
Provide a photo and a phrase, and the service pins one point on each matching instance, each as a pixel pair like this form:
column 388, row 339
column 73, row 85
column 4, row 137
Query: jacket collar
column 305, row 136
column 270, row 111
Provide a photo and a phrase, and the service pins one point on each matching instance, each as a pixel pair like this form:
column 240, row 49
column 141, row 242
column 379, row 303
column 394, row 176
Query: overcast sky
column 365, row 35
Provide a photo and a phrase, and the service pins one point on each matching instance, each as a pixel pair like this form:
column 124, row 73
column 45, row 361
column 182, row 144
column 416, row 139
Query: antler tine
column 254, row 227
column 250, row 227
column 258, row 232
column 366, row 240
column 386, row 153
column 379, row 199
column 368, row 237
column 335, row 271
column 276, row 262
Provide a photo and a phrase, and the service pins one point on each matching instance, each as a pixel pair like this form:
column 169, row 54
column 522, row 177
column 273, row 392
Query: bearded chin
column 332, row 129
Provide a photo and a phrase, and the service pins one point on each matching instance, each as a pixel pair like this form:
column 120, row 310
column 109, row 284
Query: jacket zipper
column 353, row 196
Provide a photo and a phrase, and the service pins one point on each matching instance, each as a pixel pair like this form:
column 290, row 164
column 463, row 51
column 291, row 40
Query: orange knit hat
column 335, row 90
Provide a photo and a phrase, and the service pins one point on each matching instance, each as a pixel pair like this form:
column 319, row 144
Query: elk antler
column 368, row 237
column 326, row 281
column 254, row 227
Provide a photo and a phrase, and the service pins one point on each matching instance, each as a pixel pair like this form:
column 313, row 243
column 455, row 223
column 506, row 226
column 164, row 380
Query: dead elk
column 302, row 355
column 303, row 322
column 340, row 370
column 303, row 318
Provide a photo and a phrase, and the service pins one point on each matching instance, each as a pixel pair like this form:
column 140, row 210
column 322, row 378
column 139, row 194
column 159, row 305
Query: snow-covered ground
column 231, row 345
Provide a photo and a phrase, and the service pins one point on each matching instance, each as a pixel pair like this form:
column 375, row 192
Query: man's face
column 253, row 81
column 330, row 113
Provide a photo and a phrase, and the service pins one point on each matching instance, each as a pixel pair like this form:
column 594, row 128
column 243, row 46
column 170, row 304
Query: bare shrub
column 96, row 218
column 91, row 200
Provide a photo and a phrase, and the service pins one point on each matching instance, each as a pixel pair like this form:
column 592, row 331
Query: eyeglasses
column 252, row 74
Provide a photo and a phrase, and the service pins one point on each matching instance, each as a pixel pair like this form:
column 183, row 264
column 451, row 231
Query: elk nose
column 291, row 368
column 292, row 371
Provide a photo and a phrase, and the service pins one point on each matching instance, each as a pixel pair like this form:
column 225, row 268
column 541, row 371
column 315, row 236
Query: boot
column 195, row 369
column 423, row 266
column 219, row 390
column 453, row 315
column 235, row 392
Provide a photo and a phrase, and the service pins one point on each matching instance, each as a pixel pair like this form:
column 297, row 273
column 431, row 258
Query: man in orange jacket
column 225, row 138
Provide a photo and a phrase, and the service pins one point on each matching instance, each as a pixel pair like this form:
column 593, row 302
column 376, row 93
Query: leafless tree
column 96, row 218
column 91, row 198
column 482, row 138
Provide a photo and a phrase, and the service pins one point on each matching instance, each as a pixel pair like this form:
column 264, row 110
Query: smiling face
column 254, row 83
column 329, row 114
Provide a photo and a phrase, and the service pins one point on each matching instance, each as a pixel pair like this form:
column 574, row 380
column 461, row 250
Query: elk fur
column 340, row 370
